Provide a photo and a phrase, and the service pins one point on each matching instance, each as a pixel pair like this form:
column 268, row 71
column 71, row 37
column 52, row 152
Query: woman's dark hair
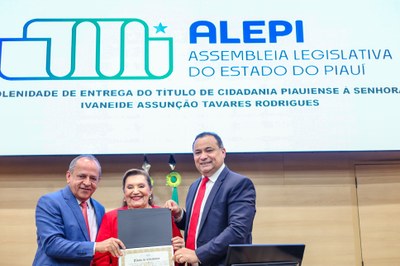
column 135, row 171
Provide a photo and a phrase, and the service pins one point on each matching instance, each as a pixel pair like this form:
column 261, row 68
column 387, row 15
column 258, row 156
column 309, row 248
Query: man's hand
column 175, row 209
column 185, row 255
column 112, row 245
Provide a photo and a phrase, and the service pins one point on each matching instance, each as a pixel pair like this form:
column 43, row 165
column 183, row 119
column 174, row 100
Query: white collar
column 215, row 176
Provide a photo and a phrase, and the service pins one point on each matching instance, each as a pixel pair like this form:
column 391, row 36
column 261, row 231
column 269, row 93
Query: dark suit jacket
column 227, row 216
column 62, row 236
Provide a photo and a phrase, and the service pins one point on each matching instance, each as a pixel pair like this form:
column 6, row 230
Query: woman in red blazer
column 138, row 190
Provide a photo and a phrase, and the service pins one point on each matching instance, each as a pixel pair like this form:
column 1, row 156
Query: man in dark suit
column 227, row 210
column 63, row 235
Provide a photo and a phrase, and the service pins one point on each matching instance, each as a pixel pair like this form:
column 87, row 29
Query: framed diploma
column 149, row 256
column 139, row 228
column 147, row 235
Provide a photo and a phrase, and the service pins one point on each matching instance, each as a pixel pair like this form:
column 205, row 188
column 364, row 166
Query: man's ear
column 68, row 176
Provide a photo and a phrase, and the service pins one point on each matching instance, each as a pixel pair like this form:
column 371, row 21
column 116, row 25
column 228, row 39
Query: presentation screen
column 144, row 77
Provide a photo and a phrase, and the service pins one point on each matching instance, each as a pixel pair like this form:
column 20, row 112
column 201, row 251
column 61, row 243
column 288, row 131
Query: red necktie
column 85, row 215
column 194, row 219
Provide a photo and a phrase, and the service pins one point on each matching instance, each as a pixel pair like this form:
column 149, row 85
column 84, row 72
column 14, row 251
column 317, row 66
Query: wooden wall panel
column 379, row 206
column 322, row 217
column 18, row 236
column 301, row 197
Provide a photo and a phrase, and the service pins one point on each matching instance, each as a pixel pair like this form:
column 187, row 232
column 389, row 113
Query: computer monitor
column 265, row 255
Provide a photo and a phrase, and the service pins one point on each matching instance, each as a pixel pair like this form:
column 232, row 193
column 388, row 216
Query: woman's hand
column 177, row 243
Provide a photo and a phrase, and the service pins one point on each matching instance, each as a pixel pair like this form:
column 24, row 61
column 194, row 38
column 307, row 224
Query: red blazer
column 109, row 228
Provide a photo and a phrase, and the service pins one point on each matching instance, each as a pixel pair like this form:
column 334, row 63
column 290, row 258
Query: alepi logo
column 86, row 49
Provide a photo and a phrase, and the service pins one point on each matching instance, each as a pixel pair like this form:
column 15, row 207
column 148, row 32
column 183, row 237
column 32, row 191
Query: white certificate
column 148, row 256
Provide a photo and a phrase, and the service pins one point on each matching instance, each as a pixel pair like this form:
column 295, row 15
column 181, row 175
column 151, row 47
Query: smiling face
column 208, row 156
column 137, row 191
column 83, row 179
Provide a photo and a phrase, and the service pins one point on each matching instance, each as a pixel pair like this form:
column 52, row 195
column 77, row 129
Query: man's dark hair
column 206, row 133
